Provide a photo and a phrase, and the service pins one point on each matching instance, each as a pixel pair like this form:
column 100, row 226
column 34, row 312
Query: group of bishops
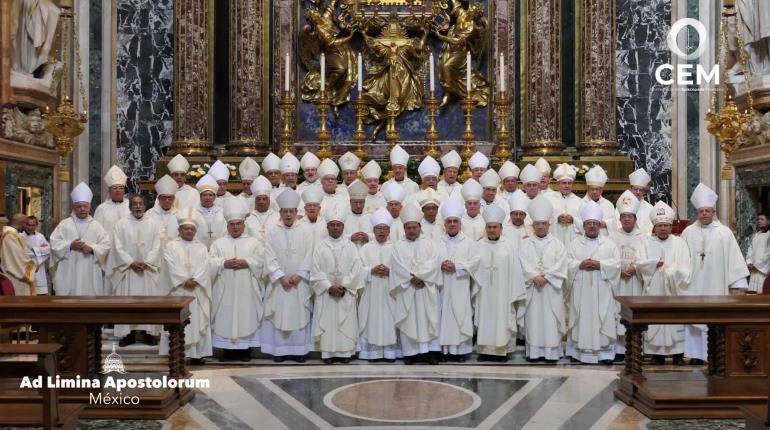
column 435, row 270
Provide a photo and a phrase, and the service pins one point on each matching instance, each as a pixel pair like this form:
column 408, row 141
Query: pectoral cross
column 492, row 269
column 702, row 249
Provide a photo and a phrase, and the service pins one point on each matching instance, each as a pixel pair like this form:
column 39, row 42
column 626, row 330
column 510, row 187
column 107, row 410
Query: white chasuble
column 259, row 223
column 335, row 319
column 376, row 320
column 189, row 260
column 671, row 279
column 474, row 228
column 213, row 227
column 496, row 288
column 544, row 313
column 592, row 312
column 417, row 309
column 136, row 240
column 456, row 328
column 355, row 223
column 717, row 265
column 516, row 233
column 236, row 309
column 608, row 209
column 75, row 273
column 167, row 220
column 108, row 213
column 758, row 254
column 285, row 326
column 374, row 202
column 562, row 205
column 631, row 247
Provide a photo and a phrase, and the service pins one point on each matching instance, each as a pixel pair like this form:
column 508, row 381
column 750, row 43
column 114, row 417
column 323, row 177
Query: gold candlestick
column 467, row 152
column 323, row 134
column 360, row 135
column 503, row 153
column 286, row 104
column 432, row 135
column 391, row 133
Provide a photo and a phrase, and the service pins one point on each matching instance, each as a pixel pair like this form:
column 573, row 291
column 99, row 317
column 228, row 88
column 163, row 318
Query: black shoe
column 299, row 358
column 574, row 360
column 150, row 340
column 607, row 362
column 409, row 360
column 129, row 339
column 501, row 358
column 550, row 361
column 657, row 360
column 389, row 360
column 532, row 360
column 619, row 358
column 345, row 360
column 327, row 361
column 678, row 359
column 429, row 358
column 197, row 362
column 460, row 358
column 696, row 362
column 245, row 356
column 279, row 359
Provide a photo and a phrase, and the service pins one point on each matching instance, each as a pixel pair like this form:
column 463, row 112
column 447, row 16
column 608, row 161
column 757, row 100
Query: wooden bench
column 48, row 414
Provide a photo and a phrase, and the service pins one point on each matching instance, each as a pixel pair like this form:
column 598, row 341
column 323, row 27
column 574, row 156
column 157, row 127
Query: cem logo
column 683, row 73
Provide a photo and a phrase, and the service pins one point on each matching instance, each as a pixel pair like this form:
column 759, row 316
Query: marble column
column 247, row 91
column 596, row 62
column 192, row 77
column 543, row 78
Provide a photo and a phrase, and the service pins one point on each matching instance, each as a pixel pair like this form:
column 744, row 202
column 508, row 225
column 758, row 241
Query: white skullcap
column 591, row 211
column 207, row 183
column 219, row 171
column 271, row 162
column 662, row 213
column 508, row 169
column 335, row 213
column 248, row 169
column 309, row 161
column 452, row 208
column 357, row 190
column 703, row 197
column 451, row 159
column 428, row 167
column 235, row 209
column 519, row 201
column 596, row 177
column 115, row 176
column 540, row 209
column 639, row 178
column 411, row 213
column 371, row 170
column 494, row 214
column 349, row 161
column 261, row 186
column 490, row 179
column 398, row 156
column 543, row 166
column 428, row 196
column 627, row 203
column 564, row 172
column 289, row 163
column 328, row 168
column 471, row 190
column 187, row 216
column 288, row 199
column 166, row 186
column 81, row 193
column 178, row 164
column 478, row 160
column 381, row 216
column 313, row 195
column 393, row 192
column 530, row 173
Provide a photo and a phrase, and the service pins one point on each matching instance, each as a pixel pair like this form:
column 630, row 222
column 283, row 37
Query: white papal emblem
column 113, row 363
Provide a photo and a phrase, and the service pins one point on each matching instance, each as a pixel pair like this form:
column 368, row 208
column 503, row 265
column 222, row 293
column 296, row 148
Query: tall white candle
column 502, row 73
column 286, row 73
column 360, row 73
column 468, row 73
column 432, row 74
column 323, row 72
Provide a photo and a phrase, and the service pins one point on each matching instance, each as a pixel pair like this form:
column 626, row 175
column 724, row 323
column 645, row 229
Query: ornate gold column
column 192, row 77
column 247, row 90
column 596, row 66
column 542, row 78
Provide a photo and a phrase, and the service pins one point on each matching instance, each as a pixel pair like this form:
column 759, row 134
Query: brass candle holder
column 467, row 151
column 432, row 134
column 287, row 106
column 323, row 133
column 360, row 135
column 503, row 153
column 391, row 133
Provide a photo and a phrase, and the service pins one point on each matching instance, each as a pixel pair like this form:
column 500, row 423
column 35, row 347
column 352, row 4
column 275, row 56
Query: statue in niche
column 323, row 34
column 468, row 33
column 27, row 128
column 754, row 18
column 33, row 32
column 393, row 82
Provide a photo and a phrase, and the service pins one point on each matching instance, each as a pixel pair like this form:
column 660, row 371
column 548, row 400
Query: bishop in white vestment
column 399, row 158
column 164, row 212
column 566, row 205
column 39, row 252
column 262, row 217
column 758, row 255
column 115, row 207
column 448, row 186
column 358, row 228
column 185, row 196
column 214, row 225
column 596, row 178
column 473, row 222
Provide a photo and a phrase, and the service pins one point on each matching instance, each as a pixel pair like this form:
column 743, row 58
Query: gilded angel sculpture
column 322, row 34
column 393, row 82
column 466, row 34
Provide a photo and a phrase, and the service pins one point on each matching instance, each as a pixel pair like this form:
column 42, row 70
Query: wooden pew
column 48, row 413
